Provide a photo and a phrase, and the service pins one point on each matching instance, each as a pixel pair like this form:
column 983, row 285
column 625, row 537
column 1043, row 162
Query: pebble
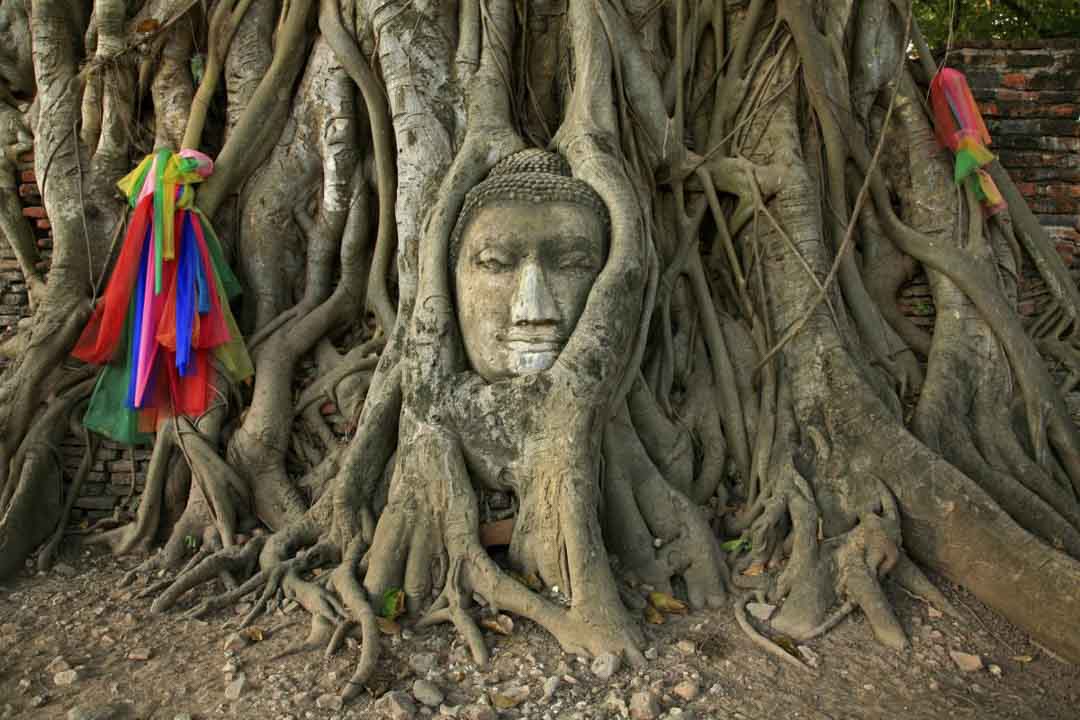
column 760, row 611
column 423, row 663
column 605, row 666
column 140, row 654
column 966, row 661
column 808, row 655
column 509, row 696
column 651, row 653
column 396, row 705
column 330, row 701
column 427, row 693
column 65, row 570
column 38, row 700
column 687, row 690
column 235, row 689
column 616, row 704
column 102, row 712
column 686, row 647
column 551, row 686
column 644, row 706
column 235, row 642
column 67, row 677
column 57, row 665
column 478, row 712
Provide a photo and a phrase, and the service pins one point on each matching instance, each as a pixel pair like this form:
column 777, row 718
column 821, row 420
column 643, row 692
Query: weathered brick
column 1069, row 80
column 1017, row 81
column 34, row 212
column 1027, row 189
column 1025, row 59
column 96, row 503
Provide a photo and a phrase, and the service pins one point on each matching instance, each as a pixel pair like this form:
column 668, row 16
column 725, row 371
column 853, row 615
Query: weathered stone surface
column 478, row 712
column 236, row 642
column 644, row 706
column 236, row 688
column 396, row 706
column 427, row 693
column 761, row 611
column 65, row 678
column 687, row 690
column 509, row 696
column 605, row 666
column 115, row 711
column 329, row 701
column 966, row 661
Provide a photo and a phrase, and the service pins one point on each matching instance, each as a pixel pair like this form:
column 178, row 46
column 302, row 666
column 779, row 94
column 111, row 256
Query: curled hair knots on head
column 529, row 176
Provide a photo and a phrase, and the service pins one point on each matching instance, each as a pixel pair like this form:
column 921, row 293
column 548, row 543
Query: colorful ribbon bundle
column 960, row 128
column 165, row 309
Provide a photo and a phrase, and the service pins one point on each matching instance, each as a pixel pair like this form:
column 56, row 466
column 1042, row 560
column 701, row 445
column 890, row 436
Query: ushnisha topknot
column 531, row 175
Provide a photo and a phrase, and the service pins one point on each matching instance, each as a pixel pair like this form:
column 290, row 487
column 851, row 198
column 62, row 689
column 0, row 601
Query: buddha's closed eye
column 493, row 260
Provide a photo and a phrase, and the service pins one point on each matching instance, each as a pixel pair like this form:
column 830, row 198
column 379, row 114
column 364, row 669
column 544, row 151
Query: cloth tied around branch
column 165, row 310
column 959, row 126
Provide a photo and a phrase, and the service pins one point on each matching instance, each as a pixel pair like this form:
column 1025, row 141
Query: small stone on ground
column 605, row 666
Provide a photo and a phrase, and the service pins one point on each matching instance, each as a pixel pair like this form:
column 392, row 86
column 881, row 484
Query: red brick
column 1016, row 95
column 43, row 224
column 34, row 212
column 27, row 156
column 28, row 190
column 1014, row 80
column 27, row 176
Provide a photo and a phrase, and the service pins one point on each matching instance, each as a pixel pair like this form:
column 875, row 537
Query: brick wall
column 1029, row 93
column 13, row 300
column 109, row 484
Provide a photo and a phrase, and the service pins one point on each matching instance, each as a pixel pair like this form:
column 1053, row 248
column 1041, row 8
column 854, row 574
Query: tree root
column 760, row 640
column 48, row 551
column 234, row 558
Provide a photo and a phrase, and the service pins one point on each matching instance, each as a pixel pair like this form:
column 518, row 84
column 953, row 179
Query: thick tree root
column 235, row 558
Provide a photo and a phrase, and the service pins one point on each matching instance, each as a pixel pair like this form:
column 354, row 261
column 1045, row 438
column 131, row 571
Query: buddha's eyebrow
column 500, row 238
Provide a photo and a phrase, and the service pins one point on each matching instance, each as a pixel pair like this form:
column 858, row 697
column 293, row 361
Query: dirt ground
column 128, row 663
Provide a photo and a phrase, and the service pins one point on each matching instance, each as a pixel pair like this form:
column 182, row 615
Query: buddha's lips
column 535, row 346
column 534, row 341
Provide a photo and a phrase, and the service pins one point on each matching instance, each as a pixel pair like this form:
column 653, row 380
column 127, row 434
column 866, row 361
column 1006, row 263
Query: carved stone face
column 521, row 280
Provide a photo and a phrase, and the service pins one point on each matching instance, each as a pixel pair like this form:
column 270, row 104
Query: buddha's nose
column 533, row 302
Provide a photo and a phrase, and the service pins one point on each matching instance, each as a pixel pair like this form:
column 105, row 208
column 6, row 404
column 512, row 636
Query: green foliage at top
column 997, row 19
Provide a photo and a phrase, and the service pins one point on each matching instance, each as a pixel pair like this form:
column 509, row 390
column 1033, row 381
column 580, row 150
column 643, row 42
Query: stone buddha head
column 527, row 248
